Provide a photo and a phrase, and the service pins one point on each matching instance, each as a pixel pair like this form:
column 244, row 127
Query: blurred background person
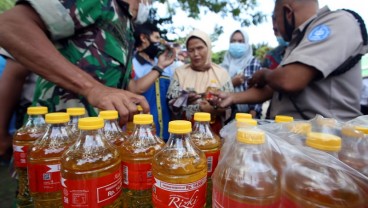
column 187, row 91
column 241, row 65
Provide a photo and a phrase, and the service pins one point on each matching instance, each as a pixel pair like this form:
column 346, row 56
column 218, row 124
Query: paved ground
column 7, row 188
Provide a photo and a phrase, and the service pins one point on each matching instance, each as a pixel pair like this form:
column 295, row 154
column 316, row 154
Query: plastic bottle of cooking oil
column 75, row 114
column 44, row 162
column 355, row 144
column 246, row 178
column 111, row 129
column 33, row 129
column 308, row 184
column 207, row 141
column 91, row 169
column 179, row 171
column 136, row 155
column 212, row 88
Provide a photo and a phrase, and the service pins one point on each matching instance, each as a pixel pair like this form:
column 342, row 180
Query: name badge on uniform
column 319, row 33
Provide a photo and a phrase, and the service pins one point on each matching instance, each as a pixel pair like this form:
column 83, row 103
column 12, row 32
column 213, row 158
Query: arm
column 11, row 85
column 37, row 53
column 250, row 96
column 141, row 85
column 290, row 78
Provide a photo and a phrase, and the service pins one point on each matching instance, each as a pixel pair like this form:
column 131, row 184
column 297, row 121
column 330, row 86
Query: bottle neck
column 202, row 127
column 74, row 120
column 56, row 134
column 112, row 126
column 35, row 120
column 180, row 141
column 91, row 139
column 143, row 131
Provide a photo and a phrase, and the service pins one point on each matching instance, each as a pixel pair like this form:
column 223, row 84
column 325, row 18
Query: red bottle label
column 212, row 161
column 220, row 200
column 170, row 195
column 137, row 176
column 287, row 202
column 96, row 192
column 44, row 178
column 20, row 156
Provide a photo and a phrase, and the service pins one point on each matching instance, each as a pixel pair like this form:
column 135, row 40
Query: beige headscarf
column 190, row 78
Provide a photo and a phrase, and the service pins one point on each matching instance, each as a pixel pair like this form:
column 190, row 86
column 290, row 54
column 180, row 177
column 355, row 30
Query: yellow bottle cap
column 283, row 119
column 56, row 118
column 243, row 116
column 90, row 123
column 247, row 136
column 142, row 119
column 76, row 111
column 180, row 127
column 139, row 108
column 351, row 132
column 108, row 114
column 244, row 123
column 300, row 128
column 38, row 110
column 363, row 129
column 200, row 116
column 323, row 141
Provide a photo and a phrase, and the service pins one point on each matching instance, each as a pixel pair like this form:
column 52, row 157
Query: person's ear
column 143, row 38
column 288, row 11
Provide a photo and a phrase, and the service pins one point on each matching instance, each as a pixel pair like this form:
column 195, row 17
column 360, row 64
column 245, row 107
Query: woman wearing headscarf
column 241, row 65
column 187, row 90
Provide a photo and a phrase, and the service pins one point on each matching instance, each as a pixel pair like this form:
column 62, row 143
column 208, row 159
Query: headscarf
column 237, row 65
column 206, row 39
column 190, row 77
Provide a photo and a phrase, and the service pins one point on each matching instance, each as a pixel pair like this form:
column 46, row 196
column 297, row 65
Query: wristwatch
column 157, row 68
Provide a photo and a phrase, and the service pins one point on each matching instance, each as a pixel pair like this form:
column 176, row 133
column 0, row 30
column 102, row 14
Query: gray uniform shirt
column 329, row 40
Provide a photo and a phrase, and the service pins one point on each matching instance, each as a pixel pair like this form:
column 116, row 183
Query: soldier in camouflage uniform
column 94, row 35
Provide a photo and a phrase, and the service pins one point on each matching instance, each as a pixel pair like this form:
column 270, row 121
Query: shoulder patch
column 319, row 33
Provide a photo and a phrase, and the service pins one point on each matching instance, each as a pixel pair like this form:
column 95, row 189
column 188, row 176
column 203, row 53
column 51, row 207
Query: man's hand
column 125, row 102
column 223, row 99
column 259, row 79
column 166, row 58
column 205, row 106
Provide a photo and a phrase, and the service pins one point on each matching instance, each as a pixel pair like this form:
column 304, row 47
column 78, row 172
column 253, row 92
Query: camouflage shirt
column 96, row 36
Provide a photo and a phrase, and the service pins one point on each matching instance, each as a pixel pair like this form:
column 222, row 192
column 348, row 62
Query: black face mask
column 289, row 28
column 152, row 50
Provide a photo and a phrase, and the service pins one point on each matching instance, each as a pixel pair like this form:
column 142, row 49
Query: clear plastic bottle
column 24, row 137
column 91, row 169
column 355, row 145
column 212, row 88
column 246, row 177
column 207, row 141
column 111, row 129
column 75, row 114
column 179, row 170
column 136, row 157
column 308, row 184
column 44, row 162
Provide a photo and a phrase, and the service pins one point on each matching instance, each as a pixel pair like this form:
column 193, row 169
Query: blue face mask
column 237, row 50
column 281, row 41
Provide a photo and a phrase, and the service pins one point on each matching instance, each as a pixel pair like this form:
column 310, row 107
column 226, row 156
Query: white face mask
column 143, row 12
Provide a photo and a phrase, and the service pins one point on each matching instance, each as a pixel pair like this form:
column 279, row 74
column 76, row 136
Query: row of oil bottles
column 90, row 162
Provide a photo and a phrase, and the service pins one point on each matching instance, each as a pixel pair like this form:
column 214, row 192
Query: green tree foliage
column 243, row 11
column 218, row 57
column 260, row 50
column 6, row 4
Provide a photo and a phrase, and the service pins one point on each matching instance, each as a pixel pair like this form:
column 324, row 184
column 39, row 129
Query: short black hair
column 146, row 28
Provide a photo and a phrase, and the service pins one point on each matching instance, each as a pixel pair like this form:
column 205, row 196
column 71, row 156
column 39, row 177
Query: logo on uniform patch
column 319, row 33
